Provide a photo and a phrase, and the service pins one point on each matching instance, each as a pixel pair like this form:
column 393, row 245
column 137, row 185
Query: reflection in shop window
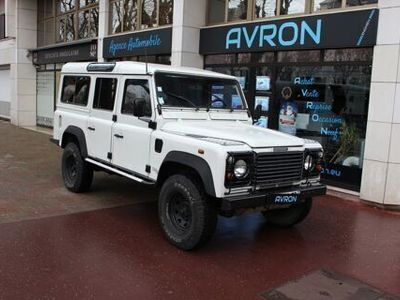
column 83, row 3
column 216, row 11
column 292, row 7
column 299, row 56
column 220, row 59
column 363, row 54
column 149, row 13
column 166, row 12
column 326, row 4
column 360, row 2
column 265, row 8
column 237, row 10
column 65, row 6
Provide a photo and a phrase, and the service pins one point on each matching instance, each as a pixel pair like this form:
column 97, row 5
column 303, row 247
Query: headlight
column 240, row 169
column 308, row 163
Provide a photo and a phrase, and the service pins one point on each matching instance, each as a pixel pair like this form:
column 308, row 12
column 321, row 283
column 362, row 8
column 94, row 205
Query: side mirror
column 139, row 105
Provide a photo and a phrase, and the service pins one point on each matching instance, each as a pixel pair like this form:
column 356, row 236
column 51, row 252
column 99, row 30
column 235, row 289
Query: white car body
column 210, row 135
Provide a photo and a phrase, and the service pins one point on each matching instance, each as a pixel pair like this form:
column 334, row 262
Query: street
column 108, row 243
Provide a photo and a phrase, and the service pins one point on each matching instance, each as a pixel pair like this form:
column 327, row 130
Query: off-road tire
column 288, row 217
column 76, row 172
column 200, row 226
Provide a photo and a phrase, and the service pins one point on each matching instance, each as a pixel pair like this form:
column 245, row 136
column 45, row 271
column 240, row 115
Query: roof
column 131, row 67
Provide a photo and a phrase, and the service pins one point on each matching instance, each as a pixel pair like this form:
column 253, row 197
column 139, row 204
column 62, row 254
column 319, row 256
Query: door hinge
column 114, row 118
column 148, row 169
column 109, row 155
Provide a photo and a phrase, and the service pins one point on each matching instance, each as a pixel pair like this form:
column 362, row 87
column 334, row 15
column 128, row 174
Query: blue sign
column 151, row 42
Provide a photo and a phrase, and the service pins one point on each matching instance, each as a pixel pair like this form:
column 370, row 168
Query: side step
column 117, row 171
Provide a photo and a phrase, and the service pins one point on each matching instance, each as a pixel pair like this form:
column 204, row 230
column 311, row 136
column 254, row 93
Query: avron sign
column 349, row 29
column 149, row 42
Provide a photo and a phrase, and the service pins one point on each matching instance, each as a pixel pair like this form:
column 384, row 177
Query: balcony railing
column 2, row 26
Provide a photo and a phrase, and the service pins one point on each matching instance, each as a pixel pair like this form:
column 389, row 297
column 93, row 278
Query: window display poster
column 263, row 102
column 262, row 122
column 242, row 81
column 263, row 83
column 287, row 117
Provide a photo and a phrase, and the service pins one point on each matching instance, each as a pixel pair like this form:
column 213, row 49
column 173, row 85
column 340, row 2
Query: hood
column 255, row 137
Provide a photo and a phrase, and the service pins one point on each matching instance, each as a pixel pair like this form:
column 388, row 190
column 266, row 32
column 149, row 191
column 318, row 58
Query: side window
column 104, row 95
column 136, row 90
column 75, row 90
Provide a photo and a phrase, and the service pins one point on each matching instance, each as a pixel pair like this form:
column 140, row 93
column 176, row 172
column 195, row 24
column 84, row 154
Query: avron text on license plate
column 286, row 198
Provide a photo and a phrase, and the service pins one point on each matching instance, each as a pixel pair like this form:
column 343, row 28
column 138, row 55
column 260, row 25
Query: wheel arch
column 73, row 133
column 176, row 161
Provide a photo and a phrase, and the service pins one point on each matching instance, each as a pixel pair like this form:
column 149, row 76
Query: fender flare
column 196, row 163
column 80, row 136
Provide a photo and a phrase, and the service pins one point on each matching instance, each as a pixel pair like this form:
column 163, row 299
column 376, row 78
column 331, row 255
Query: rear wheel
column 76, row 172
column 288, row 217
column 187, row 216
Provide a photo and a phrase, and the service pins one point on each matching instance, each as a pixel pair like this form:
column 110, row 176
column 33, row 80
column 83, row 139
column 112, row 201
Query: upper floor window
column 2, row 20
column 67, row 20
column 130, row 15
column 220, row 11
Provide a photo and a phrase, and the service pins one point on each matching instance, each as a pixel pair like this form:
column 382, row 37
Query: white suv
column 189, row 132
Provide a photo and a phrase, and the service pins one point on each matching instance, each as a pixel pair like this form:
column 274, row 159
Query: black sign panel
column 70, row 53
column 150, row 42
column 340, row 30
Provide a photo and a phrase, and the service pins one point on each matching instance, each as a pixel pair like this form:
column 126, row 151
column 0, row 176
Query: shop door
column 45, row 98
column 5, row 96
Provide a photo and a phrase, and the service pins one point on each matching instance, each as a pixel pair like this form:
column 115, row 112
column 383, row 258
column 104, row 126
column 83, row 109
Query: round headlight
column 308, row 163
column 240, row 169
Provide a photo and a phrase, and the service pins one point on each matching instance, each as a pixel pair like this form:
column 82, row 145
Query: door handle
column 119, row 136
column 91, row 128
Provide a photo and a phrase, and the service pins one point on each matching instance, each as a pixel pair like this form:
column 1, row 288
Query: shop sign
column 70, row 53
column 150, row 42
column 348, row 29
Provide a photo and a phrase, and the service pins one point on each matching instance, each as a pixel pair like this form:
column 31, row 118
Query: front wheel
column 76, row 172
column 288, row 217
column 187, row 216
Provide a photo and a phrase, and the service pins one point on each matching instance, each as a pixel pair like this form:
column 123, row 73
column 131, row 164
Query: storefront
column 153, row 46
column 49, row 62
column 307, row 76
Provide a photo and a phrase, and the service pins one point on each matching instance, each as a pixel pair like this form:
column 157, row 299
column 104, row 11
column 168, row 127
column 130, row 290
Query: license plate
column 286, row 198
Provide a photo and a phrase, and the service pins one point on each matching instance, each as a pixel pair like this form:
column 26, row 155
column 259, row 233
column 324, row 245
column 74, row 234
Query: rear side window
column 75, row 90
column 136, row 90
column 104, row 95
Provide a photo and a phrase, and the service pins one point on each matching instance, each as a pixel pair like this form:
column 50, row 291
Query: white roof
column 139, row 68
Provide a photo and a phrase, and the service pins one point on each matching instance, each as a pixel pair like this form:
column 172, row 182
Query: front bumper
column 265, row 198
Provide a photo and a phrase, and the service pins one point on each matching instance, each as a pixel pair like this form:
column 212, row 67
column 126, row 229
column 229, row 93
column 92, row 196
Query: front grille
column 280, row 169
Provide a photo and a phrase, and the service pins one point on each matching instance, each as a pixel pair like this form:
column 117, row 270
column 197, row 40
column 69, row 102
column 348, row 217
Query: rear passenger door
column 101, row 118
column 131, row 134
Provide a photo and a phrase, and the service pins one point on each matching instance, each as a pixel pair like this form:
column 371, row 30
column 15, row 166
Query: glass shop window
column 289, row 7
column 320, row 5
column 75, row 90
column 104, row 96
column 328, row 104
column 216, row 11
column 237, row 10
column 360, row 2
column 149, row 14
column 264, row 8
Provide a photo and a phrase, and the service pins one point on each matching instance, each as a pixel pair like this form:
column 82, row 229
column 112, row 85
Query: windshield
column 179, row 90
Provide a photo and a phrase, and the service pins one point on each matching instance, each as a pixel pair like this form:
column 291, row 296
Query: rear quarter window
column 75, row 90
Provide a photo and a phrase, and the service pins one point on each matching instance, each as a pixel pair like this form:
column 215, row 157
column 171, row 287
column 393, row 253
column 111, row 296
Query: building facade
column 321, row 69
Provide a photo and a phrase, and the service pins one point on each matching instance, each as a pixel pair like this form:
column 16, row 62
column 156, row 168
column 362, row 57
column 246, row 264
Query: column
column 23, row 73
column 381, row 172
column 104, row 7
column 189, row 16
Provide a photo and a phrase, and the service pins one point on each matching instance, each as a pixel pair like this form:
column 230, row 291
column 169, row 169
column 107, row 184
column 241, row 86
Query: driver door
column 131, row 134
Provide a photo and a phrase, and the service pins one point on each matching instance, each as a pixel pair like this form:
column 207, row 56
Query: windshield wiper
column 218, row 99
column 183, row 99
